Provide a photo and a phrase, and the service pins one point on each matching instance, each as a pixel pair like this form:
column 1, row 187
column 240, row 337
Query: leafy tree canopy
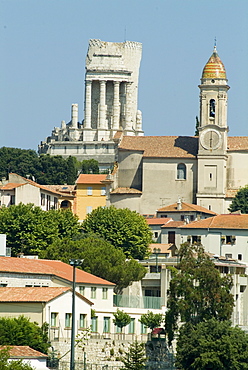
column 45, row 169
column 121, row 319
column 100, row 258
column 152, row 320
column 212, row 344
column 90, row 166
column 30, row 230
column 123, row 228
column 21, row 332
column 197, row 291
column 240, row 202
column 12, row 365
column 134, row 358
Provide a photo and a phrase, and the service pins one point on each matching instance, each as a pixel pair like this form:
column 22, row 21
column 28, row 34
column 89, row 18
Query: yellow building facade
column 90, row 194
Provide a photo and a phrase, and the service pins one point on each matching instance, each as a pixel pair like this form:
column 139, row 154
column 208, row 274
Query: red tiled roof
column 90, row 179
column 236, row 143
column 49, row 267
column 23, row 352
column 186, row 207
column 164, row 248
column 10, row 186
column 126, row 191
column 162, row 146
column 157, row 220
column 173, row 224
column 31, row 294
column 228, row 221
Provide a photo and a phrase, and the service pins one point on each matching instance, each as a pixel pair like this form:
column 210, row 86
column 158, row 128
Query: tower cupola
column 214, row 68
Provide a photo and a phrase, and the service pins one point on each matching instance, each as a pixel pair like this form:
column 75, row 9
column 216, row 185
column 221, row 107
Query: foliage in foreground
column 134, row 358
column 21, row 332
column 124, row 229
column 100, row 258
column 197, row 291
column 151, row 320
column 212, row 344
column 240, row 201
column 30, row 230
column 12, row 365
column 121, row 319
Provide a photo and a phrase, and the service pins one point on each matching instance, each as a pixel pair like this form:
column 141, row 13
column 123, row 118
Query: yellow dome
column 214, row 67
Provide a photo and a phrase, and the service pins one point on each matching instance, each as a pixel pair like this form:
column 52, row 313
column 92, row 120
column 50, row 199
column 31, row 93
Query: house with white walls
column 27, row 355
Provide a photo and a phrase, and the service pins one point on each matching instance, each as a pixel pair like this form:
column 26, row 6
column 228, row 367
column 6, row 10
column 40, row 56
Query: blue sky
column 43, row 45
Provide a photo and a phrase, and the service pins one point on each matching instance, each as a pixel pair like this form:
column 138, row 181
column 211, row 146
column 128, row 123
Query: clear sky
column 43, row 46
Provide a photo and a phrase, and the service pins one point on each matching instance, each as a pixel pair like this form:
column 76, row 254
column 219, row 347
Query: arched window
column 212, row 108
column 181, row 171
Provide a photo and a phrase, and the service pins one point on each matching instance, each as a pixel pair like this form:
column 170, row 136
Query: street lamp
column 156, row 251
column 74, row 263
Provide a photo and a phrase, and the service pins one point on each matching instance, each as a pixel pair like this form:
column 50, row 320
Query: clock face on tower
column 211, row 139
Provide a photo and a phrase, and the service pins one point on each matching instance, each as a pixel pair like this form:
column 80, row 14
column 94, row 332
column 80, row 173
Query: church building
column 110, row 106
column 206, row 170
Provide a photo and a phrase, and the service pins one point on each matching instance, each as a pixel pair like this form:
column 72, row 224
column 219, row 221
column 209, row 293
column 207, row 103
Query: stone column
column 128, row 125
column 74, row 115
column 116, row 106
column 102, row 105
column 87, row 113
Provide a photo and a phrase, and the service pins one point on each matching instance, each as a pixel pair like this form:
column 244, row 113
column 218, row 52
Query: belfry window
column 181, row 171
column 212, row 108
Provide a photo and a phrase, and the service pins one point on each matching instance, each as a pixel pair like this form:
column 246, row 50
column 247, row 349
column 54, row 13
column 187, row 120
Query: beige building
column 206, row 170
column 111, row 99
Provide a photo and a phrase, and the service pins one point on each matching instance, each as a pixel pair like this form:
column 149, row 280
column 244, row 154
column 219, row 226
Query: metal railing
column 138, row 302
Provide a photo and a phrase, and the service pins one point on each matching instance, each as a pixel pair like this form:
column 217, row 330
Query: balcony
column 138, row 302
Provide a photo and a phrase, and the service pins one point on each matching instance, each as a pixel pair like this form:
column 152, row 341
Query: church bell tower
column 213, row 129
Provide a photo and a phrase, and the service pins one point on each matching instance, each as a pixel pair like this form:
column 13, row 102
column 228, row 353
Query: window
column 196, row 239
column 131, row 326
column 89, row 190
column 155, row 234
column 3, row 284
column 12, row 199
column 240, row 257
column 106, row 324
column 191, row 217
column 64, row 204
column 88, row 209
column 209, row 207
column 212, row 108
column 54, row 316
column 93, row 293
column 82, row 289
column 48, row 206
column 181, row 171
column 94, row 324
column 163, row 216
column 143, row 329
column 118, row 329
column 82, row 320
column 230, row 239
column 228, row 255
column 68, row 320
column 104, row 293
column 182, row 217
column 171, row 237
column 103, row 191
column 55, row 203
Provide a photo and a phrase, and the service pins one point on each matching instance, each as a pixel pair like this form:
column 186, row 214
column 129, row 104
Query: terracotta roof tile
column 23, row 351
column 90, row 179
column 162, row 146
column 228, row 221
column 10, row 186
column 49, row 267
column 126, row 191
column 236, row 143
column 186, row 207
column 157, row 220
column 164, row 248
column 31, row 294
column 173, row 224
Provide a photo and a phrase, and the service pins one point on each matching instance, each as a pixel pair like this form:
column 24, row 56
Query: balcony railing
column 138, row 302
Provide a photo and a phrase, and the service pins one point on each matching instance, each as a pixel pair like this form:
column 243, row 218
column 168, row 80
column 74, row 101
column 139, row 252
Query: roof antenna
column 125, row 34
column 215, row 42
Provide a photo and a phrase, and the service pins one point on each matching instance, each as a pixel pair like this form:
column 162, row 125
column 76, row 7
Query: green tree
column 134, row 358
column 100, row 258
column 90, row 166
column 123, row 228
column 197, row 291
column 121, row 319
column 30, row 230
column 152, row 320
column 240, row 201
column 21, row 332
column 212, row 344
column 197, row 124
column 12, row 365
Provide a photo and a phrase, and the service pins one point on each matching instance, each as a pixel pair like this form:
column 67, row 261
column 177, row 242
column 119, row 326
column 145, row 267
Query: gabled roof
column 162, row 146
column 90, row 179
column 23, row 352
column 237, row 143
column 228, row 221
column 172, row 224
column 158, row 220
column 49, row 267
column 186, row 207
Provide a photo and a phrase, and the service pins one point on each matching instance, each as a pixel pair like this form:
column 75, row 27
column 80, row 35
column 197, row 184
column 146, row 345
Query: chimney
column 179, row 204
